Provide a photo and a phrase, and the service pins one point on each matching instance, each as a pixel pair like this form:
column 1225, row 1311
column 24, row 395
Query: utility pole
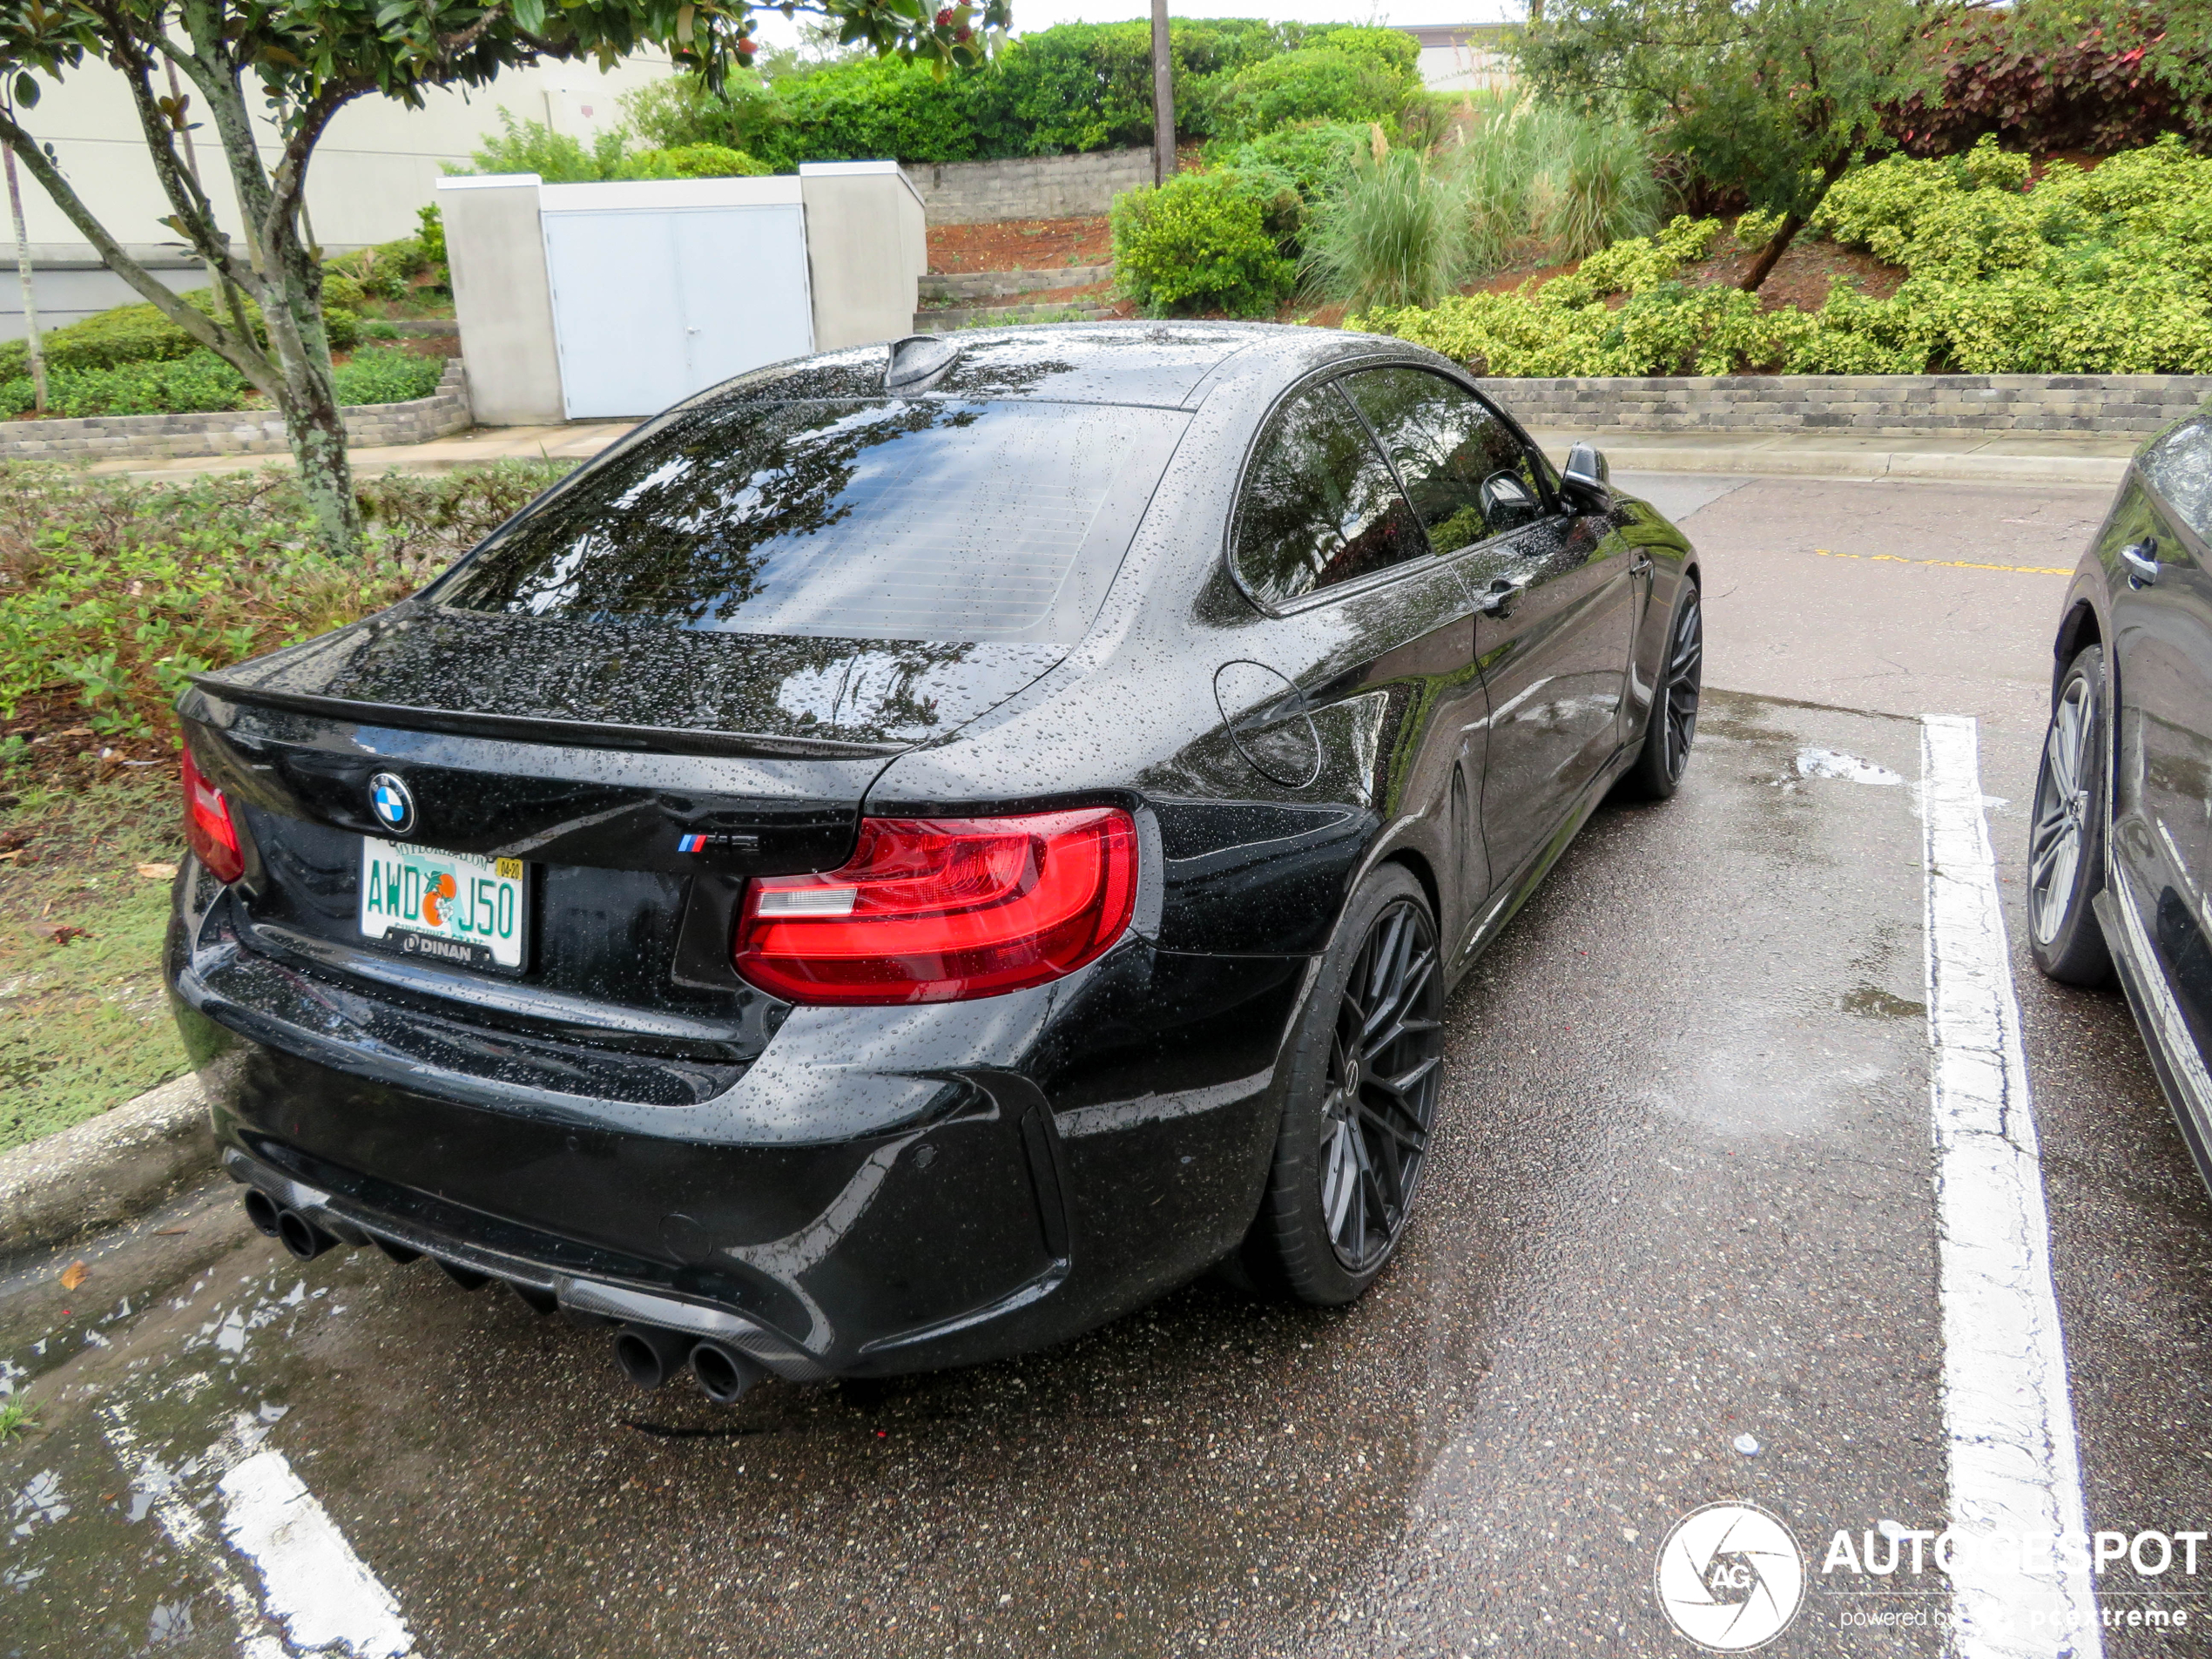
column 1162, row 97
column 29, row 297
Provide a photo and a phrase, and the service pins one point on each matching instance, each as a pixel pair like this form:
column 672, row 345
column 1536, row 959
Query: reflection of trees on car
column 680, row 530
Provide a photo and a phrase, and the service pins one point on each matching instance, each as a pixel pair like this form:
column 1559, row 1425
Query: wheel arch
column 2080, row 627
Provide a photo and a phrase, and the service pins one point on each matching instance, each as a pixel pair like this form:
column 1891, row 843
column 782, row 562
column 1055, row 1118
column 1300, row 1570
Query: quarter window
column 1319, row 506
column 1467, row 476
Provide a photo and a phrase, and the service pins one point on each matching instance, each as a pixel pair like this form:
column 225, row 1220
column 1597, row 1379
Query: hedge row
column 1075, row 87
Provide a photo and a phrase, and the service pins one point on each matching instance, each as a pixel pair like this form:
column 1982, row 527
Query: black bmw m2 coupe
column 915, row 851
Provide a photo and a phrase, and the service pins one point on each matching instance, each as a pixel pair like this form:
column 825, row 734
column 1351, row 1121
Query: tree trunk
column 289, row 289
column 32, row 343
column 1162, row 96
column 1792, row 222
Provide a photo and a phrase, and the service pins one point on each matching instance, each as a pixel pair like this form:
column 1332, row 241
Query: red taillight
column 935, row 910
column 208, row 828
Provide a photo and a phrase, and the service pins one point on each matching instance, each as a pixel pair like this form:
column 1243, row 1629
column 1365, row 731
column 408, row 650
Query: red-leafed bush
column 2041, row 87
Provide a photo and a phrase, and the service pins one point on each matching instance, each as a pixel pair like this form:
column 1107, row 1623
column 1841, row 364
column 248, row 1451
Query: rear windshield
column 922, row 519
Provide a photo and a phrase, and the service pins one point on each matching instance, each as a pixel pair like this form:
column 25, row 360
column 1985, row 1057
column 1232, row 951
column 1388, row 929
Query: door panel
column 651, row 305
column 1555, row 661
column 1553, row 654
column 1324, row 530
column 2153, row 549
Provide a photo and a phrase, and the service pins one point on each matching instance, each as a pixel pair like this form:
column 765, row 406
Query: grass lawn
column 111, row 593
column 83, row 1023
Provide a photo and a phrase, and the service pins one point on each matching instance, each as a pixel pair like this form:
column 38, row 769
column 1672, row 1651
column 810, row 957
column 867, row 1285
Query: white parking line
column 2015, row 1475
column 314, row 1589
column 311, row 1578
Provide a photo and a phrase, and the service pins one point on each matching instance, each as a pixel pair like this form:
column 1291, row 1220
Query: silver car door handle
column 2142, row 560
column 1503, row 593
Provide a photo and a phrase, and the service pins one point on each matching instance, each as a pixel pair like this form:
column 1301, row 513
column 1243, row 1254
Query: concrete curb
column 112, row 1169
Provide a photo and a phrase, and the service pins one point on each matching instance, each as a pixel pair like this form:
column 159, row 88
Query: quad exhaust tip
column 648, row 1355
column 725, row 1375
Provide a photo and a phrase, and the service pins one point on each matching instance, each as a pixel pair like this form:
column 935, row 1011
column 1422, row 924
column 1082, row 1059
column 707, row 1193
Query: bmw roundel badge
column 389, row 800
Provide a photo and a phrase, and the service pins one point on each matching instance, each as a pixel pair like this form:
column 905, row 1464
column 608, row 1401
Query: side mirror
column 1584, row 479
column 1507, row 505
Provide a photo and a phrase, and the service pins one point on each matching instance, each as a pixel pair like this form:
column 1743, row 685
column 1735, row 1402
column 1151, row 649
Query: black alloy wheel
column 1367, row 1067
column 2065, row 832
column 1385, row 1057
column 1673, row 723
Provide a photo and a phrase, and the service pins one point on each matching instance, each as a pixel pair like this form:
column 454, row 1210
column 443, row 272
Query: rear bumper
column 881, row 1189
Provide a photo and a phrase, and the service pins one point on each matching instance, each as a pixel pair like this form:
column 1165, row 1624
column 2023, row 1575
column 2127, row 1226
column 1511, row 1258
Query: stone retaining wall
column 975, row 193
column 109, row 437
column 996, row 285
column 1868, row 405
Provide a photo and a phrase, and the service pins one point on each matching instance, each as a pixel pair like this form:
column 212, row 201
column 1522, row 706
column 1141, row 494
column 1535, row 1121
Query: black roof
column 1162, row 364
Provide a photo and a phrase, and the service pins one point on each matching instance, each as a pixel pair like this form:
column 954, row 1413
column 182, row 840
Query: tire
column 1354, row 1144
column 1672, row 724
column 2066, row 837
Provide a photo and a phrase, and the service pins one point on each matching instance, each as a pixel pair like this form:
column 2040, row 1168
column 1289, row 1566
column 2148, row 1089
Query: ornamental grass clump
column 1393, row 233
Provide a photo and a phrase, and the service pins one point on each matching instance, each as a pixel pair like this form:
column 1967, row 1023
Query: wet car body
column 625, row 1126
column 2122, row 827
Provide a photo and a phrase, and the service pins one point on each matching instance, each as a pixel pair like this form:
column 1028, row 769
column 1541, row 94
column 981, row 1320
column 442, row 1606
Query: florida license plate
column 447, row 906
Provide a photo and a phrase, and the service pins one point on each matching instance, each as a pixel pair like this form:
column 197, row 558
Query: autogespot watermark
column 1732, row 1576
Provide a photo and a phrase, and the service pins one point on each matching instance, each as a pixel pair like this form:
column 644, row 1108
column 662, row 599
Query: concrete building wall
column 379, row 163
column 972, row 193
column 867, row 246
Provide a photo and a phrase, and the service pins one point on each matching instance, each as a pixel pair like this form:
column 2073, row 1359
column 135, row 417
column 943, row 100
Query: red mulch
column 1020, row 245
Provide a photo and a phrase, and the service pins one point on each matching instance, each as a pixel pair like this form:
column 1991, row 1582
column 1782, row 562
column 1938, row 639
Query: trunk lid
column 641, row 773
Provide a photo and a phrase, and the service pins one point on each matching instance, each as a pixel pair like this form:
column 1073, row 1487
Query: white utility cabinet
column 664, row 287
column 608, row 301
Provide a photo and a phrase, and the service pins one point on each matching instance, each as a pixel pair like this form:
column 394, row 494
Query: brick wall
column 1859, row 405
column 109, row 437
column 972, row 193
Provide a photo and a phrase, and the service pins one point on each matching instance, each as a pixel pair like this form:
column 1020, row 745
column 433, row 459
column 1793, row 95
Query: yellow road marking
column 1949, row 564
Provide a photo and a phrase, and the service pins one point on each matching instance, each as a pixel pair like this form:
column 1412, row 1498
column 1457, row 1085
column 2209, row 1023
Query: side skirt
column 2182, row 1076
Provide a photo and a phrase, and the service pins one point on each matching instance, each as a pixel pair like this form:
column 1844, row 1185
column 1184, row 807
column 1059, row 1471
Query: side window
column 1320, row 506
column 1467, row 476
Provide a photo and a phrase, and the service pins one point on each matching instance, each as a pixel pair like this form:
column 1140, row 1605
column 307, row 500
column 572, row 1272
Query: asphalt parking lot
column 1679, row 1244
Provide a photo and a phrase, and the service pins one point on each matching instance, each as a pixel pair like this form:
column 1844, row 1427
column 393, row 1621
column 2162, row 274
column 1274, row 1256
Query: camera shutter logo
column 1731, row 1577
column 389, row 800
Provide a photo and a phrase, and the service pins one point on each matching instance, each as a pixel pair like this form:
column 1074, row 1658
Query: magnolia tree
column 1776, row 98
column 294, row 64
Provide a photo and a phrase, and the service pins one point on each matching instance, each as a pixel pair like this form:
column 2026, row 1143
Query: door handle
column 1503, row 593
column 1642, row 566
column 2142, row 560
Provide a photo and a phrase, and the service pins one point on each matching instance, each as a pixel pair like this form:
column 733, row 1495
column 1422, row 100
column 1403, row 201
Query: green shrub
column 387, row 376
column 532, row 146
column 1315, row 156
column 140, row 334
column 692, row 161
column 1199, row 243
column 341, row 288
column 181, row 386
column 1393, row 233
column 112, row 591
column 1314, row 84
column 377, row 328
column 2103, row 271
